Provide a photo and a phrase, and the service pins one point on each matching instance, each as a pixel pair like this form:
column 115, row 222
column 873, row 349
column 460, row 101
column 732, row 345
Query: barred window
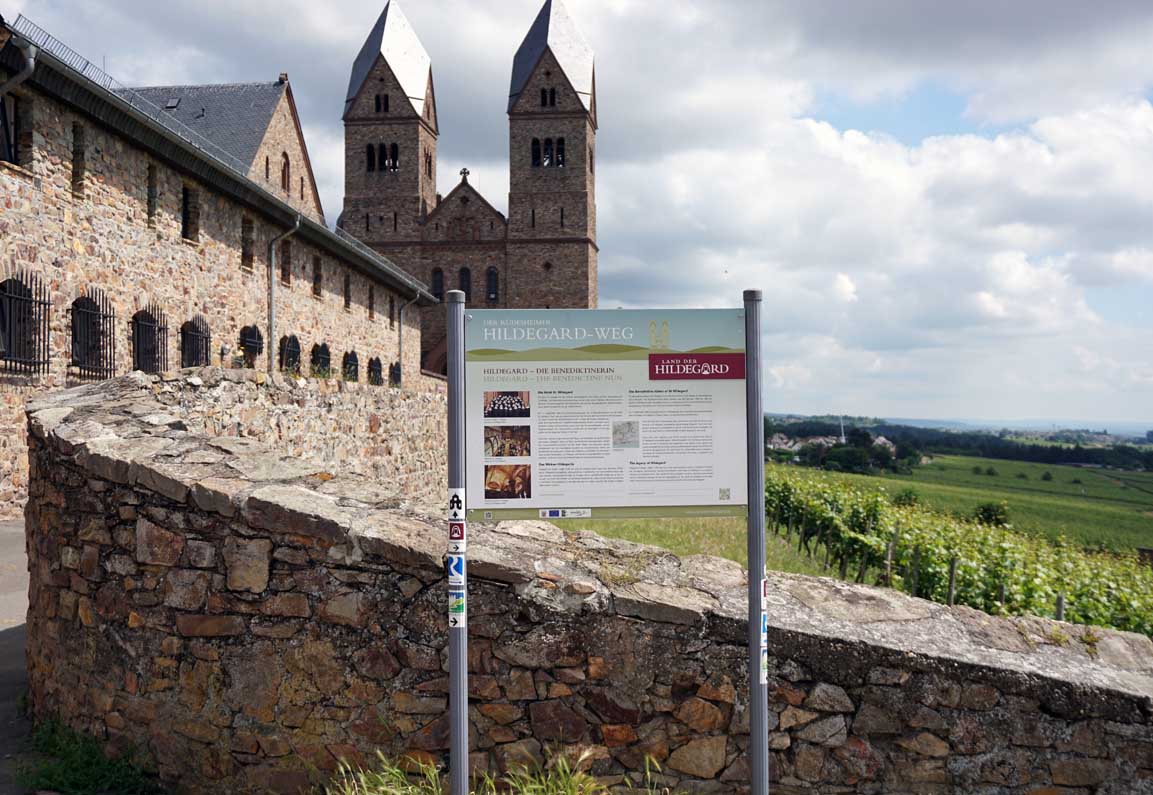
column 251, row 345
column 350, row 367
column 492, row 285
column 375, row 372
column 290, row 355
column 195, row 343
column 24, row 308
column 150, row 340
column 320, row 362
column 94, row 335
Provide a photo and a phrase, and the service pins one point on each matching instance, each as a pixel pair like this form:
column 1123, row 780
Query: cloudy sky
column 949, row 206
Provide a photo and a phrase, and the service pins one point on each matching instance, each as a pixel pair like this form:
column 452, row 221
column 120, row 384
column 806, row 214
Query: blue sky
column 948, row 205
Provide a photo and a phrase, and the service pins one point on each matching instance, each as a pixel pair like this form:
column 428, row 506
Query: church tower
column 390, row 134
column 552, row 246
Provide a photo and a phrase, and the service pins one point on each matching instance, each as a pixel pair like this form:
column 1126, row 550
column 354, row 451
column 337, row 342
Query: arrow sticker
column 456, row 547
column 456, row 505
column 456, row 569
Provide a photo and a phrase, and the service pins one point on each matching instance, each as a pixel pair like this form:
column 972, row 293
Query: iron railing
column 350, row 367
column 251, row 345
column 149, row 333
column 24, row 310
column 290, row 354
column 320, row 361
column 94, row 335
column 375, row 372
column 195, row 343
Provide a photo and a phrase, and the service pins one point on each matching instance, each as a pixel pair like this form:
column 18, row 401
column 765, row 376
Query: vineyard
column 864, row 534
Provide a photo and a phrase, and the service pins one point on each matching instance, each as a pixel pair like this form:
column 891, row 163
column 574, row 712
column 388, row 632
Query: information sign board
column 605, row 413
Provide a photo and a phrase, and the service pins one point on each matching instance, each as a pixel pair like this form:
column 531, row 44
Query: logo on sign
column 456, row 531
column 696, row 366
column 456, row 504
column 456, row 569
column 456, row 603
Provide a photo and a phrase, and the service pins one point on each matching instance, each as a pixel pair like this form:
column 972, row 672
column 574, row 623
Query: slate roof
column 393, row 37
column 233, row 116
column 555, row 30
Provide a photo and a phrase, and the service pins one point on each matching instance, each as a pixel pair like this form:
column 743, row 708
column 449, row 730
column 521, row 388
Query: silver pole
column 458, row 588
column 758, row 659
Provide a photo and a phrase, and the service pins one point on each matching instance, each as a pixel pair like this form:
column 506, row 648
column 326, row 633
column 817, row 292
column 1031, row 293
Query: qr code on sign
column 726, row 494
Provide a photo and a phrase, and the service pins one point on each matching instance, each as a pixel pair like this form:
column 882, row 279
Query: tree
column 859, row 437
column 1149, row 436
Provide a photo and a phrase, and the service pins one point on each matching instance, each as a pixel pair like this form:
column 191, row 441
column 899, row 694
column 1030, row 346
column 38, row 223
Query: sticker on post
column 456, row 547
column 456, row 505
column 764, row 666
column 456, row 531
column 457, row 611
column 456, row 570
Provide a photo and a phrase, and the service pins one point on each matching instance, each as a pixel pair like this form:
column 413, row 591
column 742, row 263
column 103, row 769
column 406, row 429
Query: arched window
column 371, row 303
column 267, row 167
column 392, row 311
column 536, row 153
column 560, row 152
column 24, row 309
column 94, row 335
column 492, row 285
column 552, row 97
column 350, row 367
column 347, row 291
column 195, row 343
column 317, row 277
column 394, row 374
column 285, row 172
column 286, row 262
column 251, row 345
column 289, row 358
column 379, row 105
column 466, row 283
column 302, row 188
column 395, row 157
column 547, row 161
column 370, row 158
column 149, row 341
column 320, row 362
column 543, row 97
column 382, row 157
column 438, row 284
column 375, row 372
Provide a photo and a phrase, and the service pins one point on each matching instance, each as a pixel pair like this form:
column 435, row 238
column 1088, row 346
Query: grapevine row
column 865, row 535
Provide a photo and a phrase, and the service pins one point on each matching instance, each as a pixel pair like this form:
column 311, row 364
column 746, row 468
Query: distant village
column 778, row 441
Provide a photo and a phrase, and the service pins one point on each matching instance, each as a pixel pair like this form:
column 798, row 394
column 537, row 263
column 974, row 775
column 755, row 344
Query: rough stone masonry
column 245, row 617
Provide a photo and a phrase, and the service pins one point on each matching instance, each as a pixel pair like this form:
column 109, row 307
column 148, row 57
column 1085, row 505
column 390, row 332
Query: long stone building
column 544, row 253
column 149, row 229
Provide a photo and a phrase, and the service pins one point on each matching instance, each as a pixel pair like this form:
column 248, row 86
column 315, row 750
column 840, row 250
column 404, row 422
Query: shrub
column 1022, row 476
column 991, row 472
column 906, row 498
column 976, row 470
column 995, row 514
column 1047, row 477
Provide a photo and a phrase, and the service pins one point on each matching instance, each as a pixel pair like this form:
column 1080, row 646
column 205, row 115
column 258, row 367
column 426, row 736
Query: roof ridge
column 207, row 85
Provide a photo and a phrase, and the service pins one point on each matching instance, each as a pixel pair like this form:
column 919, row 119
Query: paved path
column 13, row 608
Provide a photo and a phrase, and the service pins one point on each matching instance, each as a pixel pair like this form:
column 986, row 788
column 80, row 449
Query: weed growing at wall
column 71, row 763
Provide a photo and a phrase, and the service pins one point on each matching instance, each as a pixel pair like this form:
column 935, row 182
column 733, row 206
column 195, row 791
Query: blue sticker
column 456, row 568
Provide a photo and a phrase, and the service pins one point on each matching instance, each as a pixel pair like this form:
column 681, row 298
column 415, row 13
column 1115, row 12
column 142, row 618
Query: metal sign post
column 457, row 547
column 758, row 618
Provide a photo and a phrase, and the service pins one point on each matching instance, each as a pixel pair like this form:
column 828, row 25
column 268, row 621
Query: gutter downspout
column 30, row 52
column 400, row 342
column 272, row 288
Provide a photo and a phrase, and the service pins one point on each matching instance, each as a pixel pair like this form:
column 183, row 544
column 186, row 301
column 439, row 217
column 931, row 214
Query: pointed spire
column 393, row 38
column 554, row 30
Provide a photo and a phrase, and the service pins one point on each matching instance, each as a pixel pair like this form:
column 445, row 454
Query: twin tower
column 544, row 254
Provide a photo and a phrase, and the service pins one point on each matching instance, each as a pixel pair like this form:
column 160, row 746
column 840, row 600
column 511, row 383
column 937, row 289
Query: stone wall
column 242, row 616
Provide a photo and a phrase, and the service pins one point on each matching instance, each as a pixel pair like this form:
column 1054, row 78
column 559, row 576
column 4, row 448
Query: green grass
column 71, row 763
column 723, row 537
column 1107, row 508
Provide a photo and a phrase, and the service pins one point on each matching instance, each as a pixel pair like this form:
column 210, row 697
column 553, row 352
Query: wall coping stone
column 123, row 430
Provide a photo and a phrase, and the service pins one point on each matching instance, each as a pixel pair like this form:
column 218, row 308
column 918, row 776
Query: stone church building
column 544, row 253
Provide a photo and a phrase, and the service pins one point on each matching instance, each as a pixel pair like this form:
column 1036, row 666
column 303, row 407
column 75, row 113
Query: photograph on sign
column 603, row 413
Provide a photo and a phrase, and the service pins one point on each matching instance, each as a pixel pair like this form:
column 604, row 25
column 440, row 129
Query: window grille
column 24, row 309
column 375, row 372
column 492, row 285
column 350, row 367
column 195, row 343
column 150, row 340
column 320, row 361
column 394, row 374
column 466, row 283
column 438, row 284
column 290, row 354
column 251, row 345
column 94, row 335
